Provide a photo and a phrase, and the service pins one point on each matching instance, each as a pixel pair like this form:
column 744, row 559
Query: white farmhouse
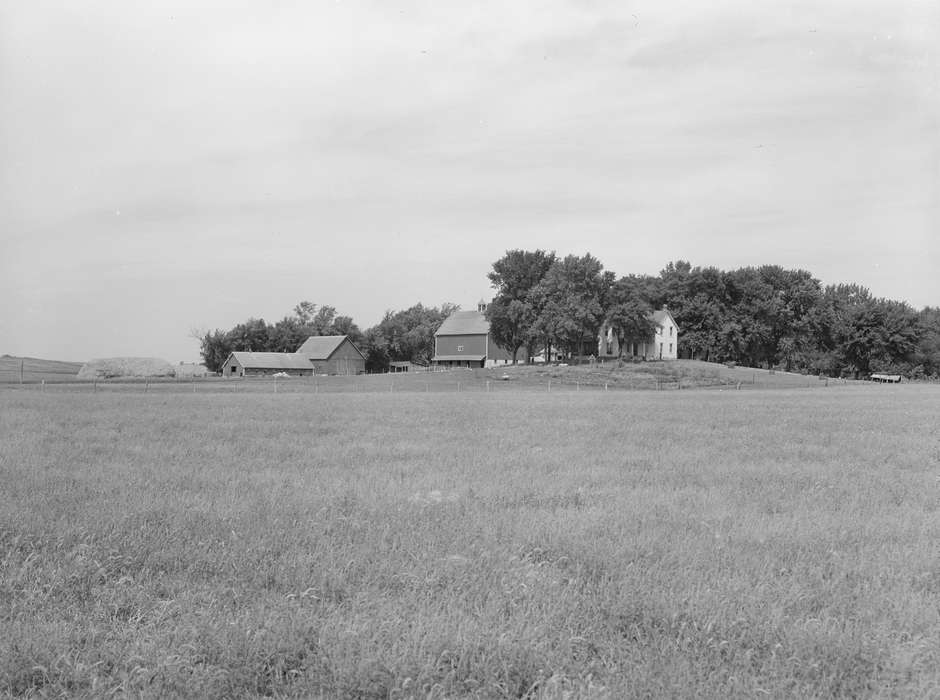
column 662, row 345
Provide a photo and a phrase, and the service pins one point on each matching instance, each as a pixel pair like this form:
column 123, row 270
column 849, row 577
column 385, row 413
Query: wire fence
column 455, row 381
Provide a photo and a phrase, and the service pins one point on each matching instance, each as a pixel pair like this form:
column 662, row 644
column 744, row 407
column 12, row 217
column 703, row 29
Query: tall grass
column 696, row 544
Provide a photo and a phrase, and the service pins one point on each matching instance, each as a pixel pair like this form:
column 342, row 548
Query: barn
column 464, row 340
column 333, row 354
column 259, row 364
column 662, row 345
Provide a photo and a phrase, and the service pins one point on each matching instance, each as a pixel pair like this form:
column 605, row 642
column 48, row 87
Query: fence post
column 147, row 387
column 458, row 387
column 275, row 385
column 487, row 385
column 549, row 386
column 94, row 389
column 605, row 386
column 43, row 385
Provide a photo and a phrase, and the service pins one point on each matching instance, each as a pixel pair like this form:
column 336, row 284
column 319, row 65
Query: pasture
column 374, row 544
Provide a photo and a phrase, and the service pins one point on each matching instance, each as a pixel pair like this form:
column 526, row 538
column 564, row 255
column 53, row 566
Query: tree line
column 763, row 316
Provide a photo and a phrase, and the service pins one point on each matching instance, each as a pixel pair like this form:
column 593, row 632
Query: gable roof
column 660, row 315
column 320, row 347
column 271, row 360
column 464, row 323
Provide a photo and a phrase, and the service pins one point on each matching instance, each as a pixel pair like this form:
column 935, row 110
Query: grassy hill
column 684, row 374
column 31, row 369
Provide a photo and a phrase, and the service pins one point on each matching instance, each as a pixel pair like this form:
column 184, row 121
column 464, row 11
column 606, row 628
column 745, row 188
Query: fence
column 452, row 381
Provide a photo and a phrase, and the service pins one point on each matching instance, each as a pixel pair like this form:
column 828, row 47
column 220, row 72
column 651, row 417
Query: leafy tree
column 251, row 336
column 927, row 353
column 510, row 313
column 405, row 335
column 287, row 335
column 570, row 302
column 628, row 314
column 344, row 325
column 215, row 347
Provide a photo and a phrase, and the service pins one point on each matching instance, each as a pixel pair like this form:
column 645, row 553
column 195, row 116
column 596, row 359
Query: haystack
column 112, row 367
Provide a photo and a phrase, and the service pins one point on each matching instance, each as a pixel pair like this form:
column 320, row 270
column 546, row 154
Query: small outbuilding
column 259, row 364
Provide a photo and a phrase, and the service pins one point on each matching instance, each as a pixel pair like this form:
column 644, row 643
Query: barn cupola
column 481, row 306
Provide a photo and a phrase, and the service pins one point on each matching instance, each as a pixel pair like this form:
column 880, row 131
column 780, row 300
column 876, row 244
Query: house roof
column 464, row 323
column 320, row 347
column 271, row 360
column 660, row 315
column 456, row 358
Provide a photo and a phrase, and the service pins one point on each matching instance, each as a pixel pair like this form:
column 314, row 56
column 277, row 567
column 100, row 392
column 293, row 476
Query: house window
column 670, row 331
column 460, row 348
column 670, row 348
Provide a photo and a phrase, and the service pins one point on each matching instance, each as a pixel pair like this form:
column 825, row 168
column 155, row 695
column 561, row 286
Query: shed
column 247, row 364
column 333, row 354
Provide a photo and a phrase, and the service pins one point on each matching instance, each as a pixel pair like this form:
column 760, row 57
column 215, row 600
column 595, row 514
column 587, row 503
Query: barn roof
column 271, row 360
column 320, row 347
column 464, row 323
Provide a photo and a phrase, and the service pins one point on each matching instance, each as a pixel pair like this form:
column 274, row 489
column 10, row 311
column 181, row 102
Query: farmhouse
column 663, row 344
column 464, row 340
column 333, row 354
column 249, row 364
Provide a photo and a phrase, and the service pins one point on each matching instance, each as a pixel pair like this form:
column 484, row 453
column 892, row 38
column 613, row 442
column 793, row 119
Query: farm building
column 247, row 364
column 405, row 366
column 464, row 340
column 333, row 354
column 662, row 345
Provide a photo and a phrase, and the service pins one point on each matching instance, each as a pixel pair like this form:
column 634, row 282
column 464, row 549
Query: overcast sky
column 169, row 167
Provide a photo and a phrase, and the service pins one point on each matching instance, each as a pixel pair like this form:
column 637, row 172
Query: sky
column 168, row 167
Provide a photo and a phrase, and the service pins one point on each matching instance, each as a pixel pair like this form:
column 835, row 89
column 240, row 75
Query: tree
column 628, row 315
column 215, row 347
column 251, row 336
column 344, row 325
column 510, row 313
column 570, row 302
column 405, row 335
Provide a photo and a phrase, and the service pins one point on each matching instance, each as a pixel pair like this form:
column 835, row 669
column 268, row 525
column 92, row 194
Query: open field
column 698, row 543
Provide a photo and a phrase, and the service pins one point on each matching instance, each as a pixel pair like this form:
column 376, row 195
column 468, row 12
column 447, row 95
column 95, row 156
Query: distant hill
column 36, row 370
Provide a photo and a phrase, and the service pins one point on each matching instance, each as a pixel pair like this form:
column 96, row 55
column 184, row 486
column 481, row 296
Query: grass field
column 703, row 543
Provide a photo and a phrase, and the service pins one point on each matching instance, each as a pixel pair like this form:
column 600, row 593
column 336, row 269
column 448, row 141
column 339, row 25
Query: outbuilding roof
column 458, row 358
column 271, row 360
column 320, row 347
column 464, row 323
